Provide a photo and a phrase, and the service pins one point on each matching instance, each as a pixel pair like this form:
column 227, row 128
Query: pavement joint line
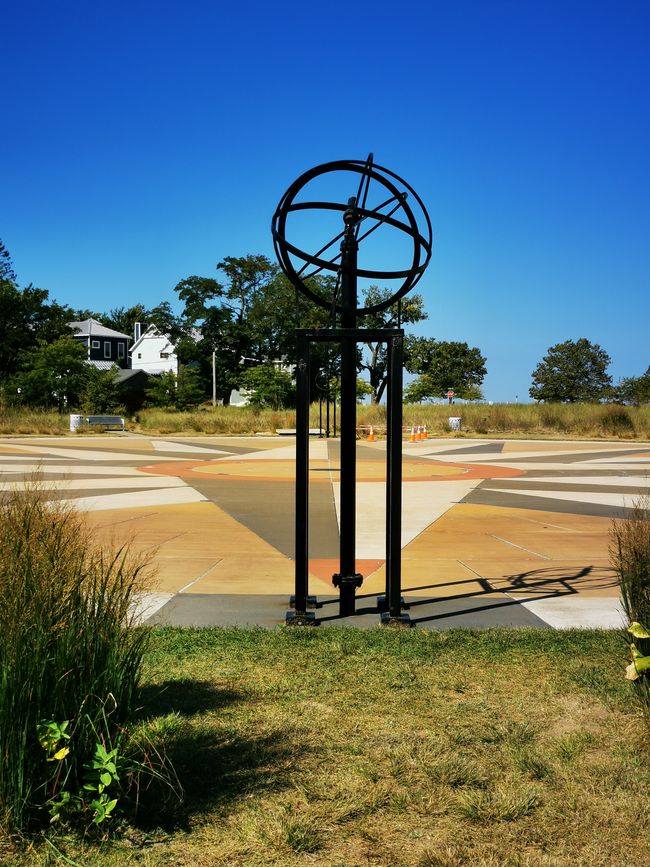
column 478, row 574
column 126, row 520
column 198, row 578
column 521, row 547
column 548, row 524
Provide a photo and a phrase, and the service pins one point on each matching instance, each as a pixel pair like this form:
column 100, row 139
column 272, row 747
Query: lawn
column 386, row 747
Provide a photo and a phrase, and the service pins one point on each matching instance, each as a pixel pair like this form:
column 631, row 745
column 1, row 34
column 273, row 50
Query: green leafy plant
column 640, row 665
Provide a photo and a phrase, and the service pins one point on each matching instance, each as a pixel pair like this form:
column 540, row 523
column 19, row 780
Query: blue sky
column 143, row 142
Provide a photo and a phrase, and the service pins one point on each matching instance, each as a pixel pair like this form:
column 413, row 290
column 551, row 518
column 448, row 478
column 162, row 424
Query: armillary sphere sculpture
column 398, row 210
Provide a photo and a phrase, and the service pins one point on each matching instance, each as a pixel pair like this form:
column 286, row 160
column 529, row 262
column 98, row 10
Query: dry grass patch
column 346, row 747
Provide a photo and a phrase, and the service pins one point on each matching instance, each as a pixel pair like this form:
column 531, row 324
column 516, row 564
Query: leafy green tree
column 101, row 391
column 441, row 365
column 376, row 358
column 189, row 389
column 27, row 317
column 269, row 386
column 54, row 374
column 6, row 265
column 248, row 318
column 634, row 389
column 161, row 391
column 572, row 371
column 181, row 392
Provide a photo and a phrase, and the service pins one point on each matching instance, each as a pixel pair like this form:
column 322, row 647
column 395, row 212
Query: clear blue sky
column 142, row 142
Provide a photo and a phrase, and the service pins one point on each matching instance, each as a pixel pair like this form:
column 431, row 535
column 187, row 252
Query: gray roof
column 100, row 365
column 93, row 328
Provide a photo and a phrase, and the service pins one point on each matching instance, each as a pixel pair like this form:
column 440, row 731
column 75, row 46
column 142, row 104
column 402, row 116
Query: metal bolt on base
column 403, row 621
column 302, row 618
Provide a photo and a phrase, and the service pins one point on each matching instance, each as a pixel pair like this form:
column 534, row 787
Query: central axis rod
column 348, row 579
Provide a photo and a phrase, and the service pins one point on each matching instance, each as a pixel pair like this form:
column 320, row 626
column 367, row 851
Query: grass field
column 382, row 747
column 497, row 420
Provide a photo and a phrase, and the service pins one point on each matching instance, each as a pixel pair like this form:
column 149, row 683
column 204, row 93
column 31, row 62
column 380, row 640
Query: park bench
column 105, row 421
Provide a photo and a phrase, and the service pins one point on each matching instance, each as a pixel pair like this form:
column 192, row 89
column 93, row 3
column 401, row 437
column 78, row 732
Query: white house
column 153, row 351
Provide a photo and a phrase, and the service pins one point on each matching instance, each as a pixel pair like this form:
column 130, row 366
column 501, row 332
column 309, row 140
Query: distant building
column 105, row 346
column 153, row 351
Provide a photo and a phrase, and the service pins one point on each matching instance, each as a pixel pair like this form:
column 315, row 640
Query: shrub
column 616, row 420
column 69, row 650
column 630, row 553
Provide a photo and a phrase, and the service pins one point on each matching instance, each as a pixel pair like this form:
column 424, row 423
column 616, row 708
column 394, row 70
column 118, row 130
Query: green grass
column 345, row 747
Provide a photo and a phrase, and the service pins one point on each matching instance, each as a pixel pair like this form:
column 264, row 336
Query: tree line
column 243, row 325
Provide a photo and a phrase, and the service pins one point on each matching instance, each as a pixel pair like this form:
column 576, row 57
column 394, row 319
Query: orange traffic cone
column 412, row 437
column 371, row 435
column 418, row 435
column 424, row 433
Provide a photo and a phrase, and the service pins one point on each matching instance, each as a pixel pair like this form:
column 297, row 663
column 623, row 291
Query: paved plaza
column 495, row 533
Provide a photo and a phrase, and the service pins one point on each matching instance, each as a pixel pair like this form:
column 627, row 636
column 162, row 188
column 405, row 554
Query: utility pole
column 214, row 380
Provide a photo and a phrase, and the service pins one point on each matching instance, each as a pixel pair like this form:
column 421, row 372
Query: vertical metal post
column 327, row 412
column 301, row 552
column 382, row 601
column 394, row 486
column 347, row 580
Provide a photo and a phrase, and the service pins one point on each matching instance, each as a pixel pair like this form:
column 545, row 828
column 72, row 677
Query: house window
column 107, row 349
column 120, row 350
column 95, row 344
column 164, row 355
column 139, row 355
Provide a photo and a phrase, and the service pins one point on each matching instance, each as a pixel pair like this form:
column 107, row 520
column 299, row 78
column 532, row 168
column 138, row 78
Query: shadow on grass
column 215, row 764
column 215, row 771
column 183, row 696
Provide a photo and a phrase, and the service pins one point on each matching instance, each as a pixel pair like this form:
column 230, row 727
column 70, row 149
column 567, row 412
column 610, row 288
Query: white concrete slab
column 623, row 501
column 90, row 456
column 575, row 612
column 145, row 605
column 138, row 499
column 610, row 481
column 422, row 504
column 142, row 481
column 186, row 448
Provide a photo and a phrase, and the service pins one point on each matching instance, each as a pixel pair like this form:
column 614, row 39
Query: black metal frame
column 348, row 580
column 344, row 304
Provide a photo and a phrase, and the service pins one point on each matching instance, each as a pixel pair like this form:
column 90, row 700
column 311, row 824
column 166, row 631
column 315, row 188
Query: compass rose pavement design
column 493, row 532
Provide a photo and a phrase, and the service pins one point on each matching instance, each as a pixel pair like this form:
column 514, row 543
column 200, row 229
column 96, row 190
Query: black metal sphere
column 421, row 236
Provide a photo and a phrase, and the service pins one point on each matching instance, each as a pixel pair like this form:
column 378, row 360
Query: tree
column 54, row 374
column 223, row 312
column 6, row 265
column 181, row 392
column 269, row 387
column 442, row 365
column 26, row 319
column 570, row 372
column 101, row 392
column 375, row 362
column 634, row 389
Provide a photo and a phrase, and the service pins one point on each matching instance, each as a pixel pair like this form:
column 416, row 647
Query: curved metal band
column 382, row 176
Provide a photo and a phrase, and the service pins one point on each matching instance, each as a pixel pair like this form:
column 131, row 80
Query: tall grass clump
column 630, row 554
column 69, row 649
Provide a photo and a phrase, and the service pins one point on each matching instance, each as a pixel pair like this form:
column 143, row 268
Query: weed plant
column 68, row 648
column 630, row 554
